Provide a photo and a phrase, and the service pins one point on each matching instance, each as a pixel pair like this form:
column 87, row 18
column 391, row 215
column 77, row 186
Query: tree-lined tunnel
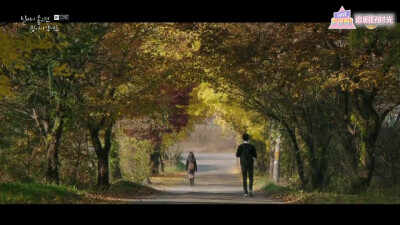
column 94, row 105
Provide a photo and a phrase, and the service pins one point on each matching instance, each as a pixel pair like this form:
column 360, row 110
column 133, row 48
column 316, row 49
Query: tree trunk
column 76, row 166
column 315, row 182
column 276, row 160
column 52, row 149
column 323, row 167
column 299, row 161
column 349, row 137
column 103, row 179
column 368, row 167
column 102, row 170
column 154, row 163
column 351, row 149
column 318, row 167
column 371, row 124
column 155, row 160
column 271, row 159
column 311, row 136
column 162, row 164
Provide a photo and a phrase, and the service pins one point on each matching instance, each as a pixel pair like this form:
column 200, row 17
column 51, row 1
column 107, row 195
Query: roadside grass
column 172, row 175
column 294, row 196
column 177, row 167
column 35, row 193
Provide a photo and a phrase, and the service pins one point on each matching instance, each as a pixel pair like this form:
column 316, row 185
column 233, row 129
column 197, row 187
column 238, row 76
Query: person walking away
column 247, row 152
column 191, row 167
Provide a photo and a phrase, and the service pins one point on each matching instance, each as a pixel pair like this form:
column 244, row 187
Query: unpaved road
column 217, row 181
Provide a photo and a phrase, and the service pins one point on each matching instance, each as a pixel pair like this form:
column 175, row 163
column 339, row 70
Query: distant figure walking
column 191, row 167
column 247, row 152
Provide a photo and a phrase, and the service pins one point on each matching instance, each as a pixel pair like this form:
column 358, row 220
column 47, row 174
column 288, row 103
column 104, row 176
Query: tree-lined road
column 217, row 181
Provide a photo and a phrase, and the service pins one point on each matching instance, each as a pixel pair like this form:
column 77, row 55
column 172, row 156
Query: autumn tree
column 130, row 66
column 287, row 73
column 38, row 71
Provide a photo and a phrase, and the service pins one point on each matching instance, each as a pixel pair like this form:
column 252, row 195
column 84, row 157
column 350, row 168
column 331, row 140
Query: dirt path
column 217, row 181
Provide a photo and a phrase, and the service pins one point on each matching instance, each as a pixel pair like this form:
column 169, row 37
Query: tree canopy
column 330, row 94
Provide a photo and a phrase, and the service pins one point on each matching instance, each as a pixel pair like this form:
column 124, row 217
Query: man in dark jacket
column 247, row 152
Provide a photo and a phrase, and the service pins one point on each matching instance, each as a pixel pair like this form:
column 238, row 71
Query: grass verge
column 34, row 193
column 291, row 195
column 177, row 167
column 172, row 175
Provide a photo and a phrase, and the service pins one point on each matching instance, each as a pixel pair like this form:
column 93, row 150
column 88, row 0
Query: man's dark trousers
column 248, row 169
